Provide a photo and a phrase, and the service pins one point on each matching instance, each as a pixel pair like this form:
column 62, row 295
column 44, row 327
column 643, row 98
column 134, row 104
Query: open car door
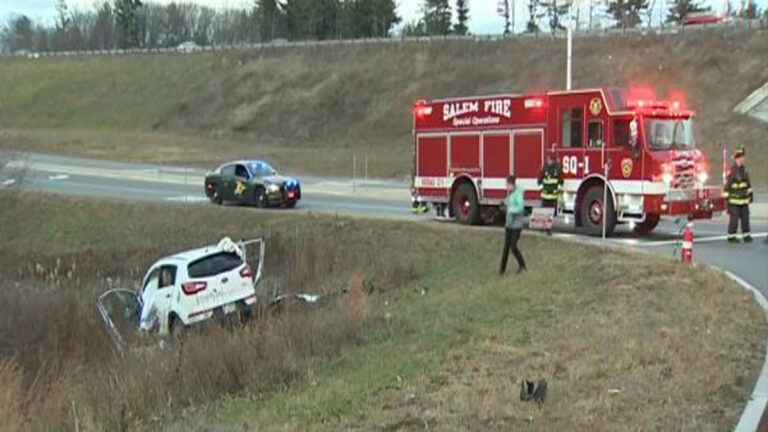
column 253, row 255
column 121, row 311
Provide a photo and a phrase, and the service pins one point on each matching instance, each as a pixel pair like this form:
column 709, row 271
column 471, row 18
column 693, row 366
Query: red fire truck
column 464, row 149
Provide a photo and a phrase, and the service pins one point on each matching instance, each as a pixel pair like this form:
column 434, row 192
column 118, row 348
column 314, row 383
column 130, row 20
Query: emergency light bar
column 675, row 105
column 533, row 103
column 421, row 109
column 656, row 107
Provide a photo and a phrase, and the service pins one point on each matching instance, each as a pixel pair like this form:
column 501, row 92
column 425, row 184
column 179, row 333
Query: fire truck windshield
column 670, row 133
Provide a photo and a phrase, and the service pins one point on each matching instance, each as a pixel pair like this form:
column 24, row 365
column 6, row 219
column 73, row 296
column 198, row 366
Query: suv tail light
column 191, row 288
column 246, row 272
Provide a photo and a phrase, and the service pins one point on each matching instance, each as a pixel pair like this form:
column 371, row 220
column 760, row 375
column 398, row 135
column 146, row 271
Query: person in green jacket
column 513, row 226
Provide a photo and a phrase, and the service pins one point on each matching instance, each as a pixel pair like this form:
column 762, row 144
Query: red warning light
column 533, row 103
column 421, row 109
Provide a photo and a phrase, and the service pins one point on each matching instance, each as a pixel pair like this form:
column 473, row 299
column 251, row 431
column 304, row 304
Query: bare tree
column 503, row 9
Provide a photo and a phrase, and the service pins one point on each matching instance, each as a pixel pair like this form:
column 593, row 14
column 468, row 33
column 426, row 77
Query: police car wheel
column 215, row 195
column 260, row 197
column 592, row 209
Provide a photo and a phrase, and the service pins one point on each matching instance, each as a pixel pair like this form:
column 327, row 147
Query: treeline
column 553, row 15
column 132, row 23
column 114, row 24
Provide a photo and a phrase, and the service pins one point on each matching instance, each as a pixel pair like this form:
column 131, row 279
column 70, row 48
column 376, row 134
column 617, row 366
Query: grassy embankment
column 311, row 109
column 428, row 333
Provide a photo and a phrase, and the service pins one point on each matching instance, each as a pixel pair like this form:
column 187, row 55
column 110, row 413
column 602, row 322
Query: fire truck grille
column 685, row 172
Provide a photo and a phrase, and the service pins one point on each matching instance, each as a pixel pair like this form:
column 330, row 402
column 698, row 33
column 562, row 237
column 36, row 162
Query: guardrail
column 672, row 30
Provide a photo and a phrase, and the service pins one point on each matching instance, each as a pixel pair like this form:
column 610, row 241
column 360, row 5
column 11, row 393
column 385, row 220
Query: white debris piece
column 227, row 245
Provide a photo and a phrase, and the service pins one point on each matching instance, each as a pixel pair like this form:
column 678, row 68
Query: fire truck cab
column 641, row 148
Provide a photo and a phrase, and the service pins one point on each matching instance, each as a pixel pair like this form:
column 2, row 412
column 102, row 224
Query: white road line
column 187, row 198
column 8, row 182
column 671, row 242
column 753, row 412
column 58, row 177
column 82, row 185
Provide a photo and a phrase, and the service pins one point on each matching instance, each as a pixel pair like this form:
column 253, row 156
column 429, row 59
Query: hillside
column 287, row 103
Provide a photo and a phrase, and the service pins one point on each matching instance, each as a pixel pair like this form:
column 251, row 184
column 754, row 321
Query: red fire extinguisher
column 687, row 248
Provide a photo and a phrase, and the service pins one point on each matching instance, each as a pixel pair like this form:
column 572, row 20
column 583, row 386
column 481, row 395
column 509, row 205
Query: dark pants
column 736, row 214
column 511, row 237
column 550, row 204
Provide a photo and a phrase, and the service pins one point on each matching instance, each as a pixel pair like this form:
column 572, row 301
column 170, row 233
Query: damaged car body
column 184, row 289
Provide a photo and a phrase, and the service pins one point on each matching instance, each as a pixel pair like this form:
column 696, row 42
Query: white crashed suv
column 186, row 288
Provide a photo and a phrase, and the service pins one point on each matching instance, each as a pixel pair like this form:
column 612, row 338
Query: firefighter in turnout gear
column 551, row 182
column 738, row 189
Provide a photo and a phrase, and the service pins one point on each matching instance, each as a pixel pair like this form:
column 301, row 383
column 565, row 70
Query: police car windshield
column 670, row 134
column 261, row 169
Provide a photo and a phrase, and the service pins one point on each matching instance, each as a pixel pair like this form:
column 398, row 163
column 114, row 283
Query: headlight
column 273, row 187
column 702, row 177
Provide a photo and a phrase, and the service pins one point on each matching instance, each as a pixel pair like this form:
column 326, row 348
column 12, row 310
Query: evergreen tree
column 680, row 8
column 627, row 12
column 312, row 19
column 414, row 29
column 462, row 12
column 126, row 12
column 437, row 17
column 270, row 18
column 368, row 18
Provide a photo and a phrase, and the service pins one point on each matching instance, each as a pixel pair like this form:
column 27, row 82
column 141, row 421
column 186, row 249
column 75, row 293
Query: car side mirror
column 634, row 138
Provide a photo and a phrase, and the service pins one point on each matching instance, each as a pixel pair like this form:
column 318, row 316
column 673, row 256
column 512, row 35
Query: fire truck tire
column 644, row 228
column 592, row 213
column 466, row 209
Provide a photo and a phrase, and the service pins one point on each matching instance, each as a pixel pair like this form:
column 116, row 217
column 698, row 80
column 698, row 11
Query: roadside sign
column 541, row 218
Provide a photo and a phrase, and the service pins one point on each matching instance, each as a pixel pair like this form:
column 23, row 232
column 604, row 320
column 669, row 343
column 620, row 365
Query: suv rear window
column 214, row 264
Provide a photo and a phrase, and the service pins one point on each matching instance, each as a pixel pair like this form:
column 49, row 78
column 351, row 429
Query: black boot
column 526, row 390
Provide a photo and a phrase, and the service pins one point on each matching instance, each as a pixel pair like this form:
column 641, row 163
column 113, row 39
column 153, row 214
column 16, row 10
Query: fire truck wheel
column 644, row 228
column 465, row 205
column 592, row 213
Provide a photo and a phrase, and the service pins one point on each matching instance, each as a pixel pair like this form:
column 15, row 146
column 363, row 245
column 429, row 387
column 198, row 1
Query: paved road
column 388, row 199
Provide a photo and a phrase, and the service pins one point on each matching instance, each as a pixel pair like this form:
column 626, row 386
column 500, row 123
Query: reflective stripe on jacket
column 738, row 188
column 551, row 180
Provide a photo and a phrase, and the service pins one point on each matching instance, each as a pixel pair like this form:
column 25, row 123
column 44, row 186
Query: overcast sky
column 483, row 16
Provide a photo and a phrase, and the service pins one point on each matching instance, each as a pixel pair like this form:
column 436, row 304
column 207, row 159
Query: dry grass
column 288, row 103
column 11, row 395
column 426, row 333
column 609, row 366
column 61, row 364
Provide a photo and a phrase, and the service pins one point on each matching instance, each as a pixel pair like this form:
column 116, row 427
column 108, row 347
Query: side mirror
column 634, row 137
